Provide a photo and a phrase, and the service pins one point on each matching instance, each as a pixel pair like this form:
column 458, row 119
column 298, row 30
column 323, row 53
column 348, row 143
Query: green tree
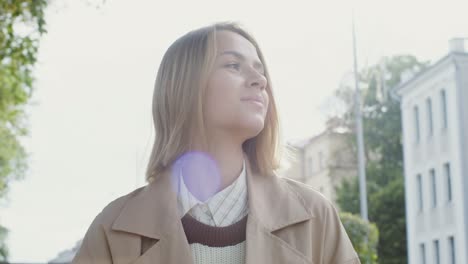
column 3, row 247
column 384, row 154
column 357, row 230
column 21, row 25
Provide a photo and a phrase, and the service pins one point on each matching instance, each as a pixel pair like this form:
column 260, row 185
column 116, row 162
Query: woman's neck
column 228, row 156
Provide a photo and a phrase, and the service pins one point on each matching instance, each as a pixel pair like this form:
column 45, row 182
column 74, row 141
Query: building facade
column 322, row 162
column 434, row 107
column 66, row 256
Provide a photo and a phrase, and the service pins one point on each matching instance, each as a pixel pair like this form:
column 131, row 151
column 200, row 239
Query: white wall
column 446, row 219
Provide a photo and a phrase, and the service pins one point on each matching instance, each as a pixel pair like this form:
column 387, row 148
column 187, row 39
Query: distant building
column 67, row 255
column 322, row 162
column 434, row 107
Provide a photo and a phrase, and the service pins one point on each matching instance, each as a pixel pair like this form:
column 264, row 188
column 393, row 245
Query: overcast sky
column 90, row 122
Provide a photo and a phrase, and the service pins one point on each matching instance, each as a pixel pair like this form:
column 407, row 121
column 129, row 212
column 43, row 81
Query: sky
column 90, row 116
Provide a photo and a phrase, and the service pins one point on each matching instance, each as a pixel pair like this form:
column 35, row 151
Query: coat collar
column 271, row 202
column 152, row 212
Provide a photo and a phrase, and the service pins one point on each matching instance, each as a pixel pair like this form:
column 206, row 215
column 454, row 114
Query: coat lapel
column 264, row 247
column 272, row 206
column 171, row 249
column 152, row 213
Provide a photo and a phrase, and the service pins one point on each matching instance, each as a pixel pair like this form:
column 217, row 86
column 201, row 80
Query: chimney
column 457, row 45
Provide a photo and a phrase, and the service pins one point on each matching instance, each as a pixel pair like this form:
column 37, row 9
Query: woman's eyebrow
column 239, row 56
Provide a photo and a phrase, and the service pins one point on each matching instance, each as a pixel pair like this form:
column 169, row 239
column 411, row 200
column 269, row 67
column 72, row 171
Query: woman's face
column 236, row 99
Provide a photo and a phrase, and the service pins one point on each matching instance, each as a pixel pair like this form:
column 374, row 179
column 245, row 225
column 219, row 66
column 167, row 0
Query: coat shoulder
column 312, row 199
column 95, row 247
column 334, row 245
column 113, row 209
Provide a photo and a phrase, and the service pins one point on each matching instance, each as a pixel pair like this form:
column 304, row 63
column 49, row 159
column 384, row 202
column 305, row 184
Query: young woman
column 212, row 194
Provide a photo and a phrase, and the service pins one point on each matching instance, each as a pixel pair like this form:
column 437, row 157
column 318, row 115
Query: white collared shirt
column 224, row 208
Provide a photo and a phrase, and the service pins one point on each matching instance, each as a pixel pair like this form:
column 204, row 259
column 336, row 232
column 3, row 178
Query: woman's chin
column 253, row 127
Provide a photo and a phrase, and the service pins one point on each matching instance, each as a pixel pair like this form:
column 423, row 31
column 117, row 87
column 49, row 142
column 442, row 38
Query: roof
column 302, row 143
column 453, row 55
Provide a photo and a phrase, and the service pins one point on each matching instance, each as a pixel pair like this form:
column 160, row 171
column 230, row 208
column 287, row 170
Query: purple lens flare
column 200, row 173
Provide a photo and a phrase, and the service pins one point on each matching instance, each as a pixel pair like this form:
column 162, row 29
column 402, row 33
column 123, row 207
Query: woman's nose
column 257, row 80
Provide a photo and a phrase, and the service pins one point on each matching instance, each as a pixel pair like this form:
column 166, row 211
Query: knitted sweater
column 216, row 245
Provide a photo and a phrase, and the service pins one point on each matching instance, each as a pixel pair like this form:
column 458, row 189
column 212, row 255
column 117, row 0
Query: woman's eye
column 235, row 66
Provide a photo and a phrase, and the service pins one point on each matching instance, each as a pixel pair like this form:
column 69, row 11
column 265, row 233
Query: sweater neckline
column 214, row 236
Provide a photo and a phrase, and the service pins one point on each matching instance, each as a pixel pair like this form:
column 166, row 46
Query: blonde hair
column 178, row 103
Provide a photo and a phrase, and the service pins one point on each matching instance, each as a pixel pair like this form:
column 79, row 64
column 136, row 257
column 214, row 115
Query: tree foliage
column 383, row 152
column 21, row 25
column 358, row 230
column 3, row 247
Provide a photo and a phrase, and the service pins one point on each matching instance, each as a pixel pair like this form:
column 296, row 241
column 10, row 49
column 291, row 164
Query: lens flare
column 200, row 174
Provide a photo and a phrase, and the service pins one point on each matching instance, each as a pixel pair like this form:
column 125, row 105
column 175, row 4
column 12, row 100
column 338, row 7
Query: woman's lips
column 260, row 104
column 256, row 100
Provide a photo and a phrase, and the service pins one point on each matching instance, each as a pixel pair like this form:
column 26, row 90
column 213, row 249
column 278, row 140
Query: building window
column 422, row 250
column 436, row 252
column 448, row 177
column 310, row 165
column 321, row 161
column 434, row 187
column 443, row 99
column 452, row 250
column 430, row 123
column 420, row 193
column 417, row 129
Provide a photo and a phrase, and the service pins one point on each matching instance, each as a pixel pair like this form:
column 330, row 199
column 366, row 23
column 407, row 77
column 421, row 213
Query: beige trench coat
column 288, row 222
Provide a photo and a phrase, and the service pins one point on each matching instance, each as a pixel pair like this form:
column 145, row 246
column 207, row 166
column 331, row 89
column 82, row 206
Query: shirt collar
column 186, row 201
column 230, row 204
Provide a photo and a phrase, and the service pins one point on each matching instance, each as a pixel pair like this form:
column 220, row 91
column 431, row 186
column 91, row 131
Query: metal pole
column 360, row 141
column 360, row 136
